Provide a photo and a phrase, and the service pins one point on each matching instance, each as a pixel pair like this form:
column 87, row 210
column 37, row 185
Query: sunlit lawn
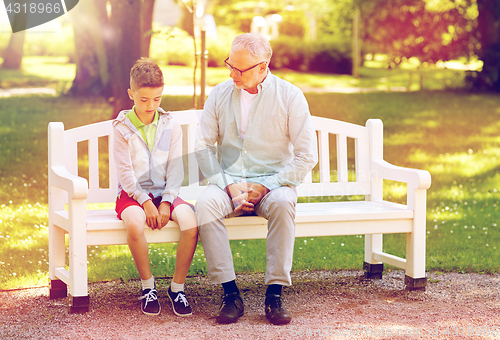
column 454, row 135
column 58, row 73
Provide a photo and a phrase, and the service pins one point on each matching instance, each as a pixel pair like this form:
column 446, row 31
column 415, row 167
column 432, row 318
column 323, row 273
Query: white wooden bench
column 70, row 193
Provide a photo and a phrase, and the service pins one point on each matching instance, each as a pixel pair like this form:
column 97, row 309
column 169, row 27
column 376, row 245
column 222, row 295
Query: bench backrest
column 345, row 151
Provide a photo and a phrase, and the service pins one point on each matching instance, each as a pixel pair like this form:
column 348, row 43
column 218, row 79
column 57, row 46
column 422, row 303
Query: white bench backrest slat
column 92, row 133
column 93, row 163
column 342, row 164
column 342, row 132
column 324, row 156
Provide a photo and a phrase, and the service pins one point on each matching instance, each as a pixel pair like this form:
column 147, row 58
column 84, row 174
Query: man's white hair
column 258, row 47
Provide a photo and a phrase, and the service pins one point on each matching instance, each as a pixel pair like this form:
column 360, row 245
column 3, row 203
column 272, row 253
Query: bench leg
column 78, row 285
column 79, row 304
column 57, row 257
column 58, row 289
column 373, row 269
column 415, row 284
column 415, row 244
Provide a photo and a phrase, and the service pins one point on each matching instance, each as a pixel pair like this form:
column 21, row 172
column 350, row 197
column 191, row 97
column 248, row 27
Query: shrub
column 220, row 46
column 289, row 52
column 326, row 55
column 294, row 24
column 56, row 43
column 330, row 56
column 172, row 46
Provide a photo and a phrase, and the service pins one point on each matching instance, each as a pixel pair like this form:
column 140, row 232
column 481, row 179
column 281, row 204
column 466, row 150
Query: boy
column 147, row 151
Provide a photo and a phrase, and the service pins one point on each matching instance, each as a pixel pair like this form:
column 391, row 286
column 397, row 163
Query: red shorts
column 124, row 201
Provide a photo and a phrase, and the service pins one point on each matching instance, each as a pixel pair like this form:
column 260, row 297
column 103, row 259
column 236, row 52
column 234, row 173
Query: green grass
column 58, row 73
column 454, row 135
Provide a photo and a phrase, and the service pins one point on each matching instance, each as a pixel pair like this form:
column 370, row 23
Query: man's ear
column 130, row 94
column 262, row 67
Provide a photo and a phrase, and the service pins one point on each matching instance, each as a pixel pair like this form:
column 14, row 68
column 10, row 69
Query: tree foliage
column 431, row 31
column 109, row 38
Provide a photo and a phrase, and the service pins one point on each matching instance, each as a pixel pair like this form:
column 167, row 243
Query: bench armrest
column 77, row 187
column 415, row 178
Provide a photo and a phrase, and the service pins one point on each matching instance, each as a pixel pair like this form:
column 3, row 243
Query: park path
column 325, row 305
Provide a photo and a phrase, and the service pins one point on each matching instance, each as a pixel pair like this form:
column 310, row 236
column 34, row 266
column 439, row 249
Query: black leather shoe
column 275, row 312
column 231, row 308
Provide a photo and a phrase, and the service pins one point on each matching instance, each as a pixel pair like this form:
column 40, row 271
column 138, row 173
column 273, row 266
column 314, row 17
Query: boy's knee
column 192, row 233
column 135, row 230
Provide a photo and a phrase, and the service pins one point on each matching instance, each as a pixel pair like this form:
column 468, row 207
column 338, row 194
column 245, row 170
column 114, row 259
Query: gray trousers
column 278, row 207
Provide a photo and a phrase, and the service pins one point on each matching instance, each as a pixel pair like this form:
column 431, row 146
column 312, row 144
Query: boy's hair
column 145, row 73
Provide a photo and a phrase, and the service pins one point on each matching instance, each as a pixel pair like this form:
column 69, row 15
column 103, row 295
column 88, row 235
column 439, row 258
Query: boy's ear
column 130, row 94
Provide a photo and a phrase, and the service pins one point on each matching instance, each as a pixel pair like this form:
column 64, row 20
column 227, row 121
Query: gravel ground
column 325, row 305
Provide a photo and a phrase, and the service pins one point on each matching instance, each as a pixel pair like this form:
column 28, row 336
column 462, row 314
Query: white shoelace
column 183, row 299
column 151, row 296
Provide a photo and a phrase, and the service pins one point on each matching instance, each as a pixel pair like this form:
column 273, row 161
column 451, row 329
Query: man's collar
column 265, row 83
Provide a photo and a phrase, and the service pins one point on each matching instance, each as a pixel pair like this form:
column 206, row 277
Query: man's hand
column 246, row 196
column 152, row 215
column 238, row 192
column 256, row 192
column 163, row 214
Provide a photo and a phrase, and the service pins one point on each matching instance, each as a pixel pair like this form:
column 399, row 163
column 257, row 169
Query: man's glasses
column 239, row 72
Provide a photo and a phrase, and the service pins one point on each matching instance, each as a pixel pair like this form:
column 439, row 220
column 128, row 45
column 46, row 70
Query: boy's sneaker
column 180, row 304
column 149, row 302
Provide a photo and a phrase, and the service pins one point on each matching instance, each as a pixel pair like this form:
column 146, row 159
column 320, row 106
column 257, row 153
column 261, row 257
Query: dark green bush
column 289, row 52
column 325, row 55
column 330, row 56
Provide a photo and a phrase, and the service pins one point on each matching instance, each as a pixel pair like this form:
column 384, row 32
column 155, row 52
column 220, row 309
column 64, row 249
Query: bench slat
column 324, row 158
column 93, row 163
column 105, row 219
column 105, row 229
column 342, row 164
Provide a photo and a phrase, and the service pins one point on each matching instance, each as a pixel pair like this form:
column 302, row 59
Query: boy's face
column 146, row 100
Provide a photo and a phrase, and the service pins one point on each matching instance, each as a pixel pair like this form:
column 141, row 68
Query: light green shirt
column 148, row 132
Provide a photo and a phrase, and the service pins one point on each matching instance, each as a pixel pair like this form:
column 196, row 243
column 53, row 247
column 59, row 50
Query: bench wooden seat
column 70, row 193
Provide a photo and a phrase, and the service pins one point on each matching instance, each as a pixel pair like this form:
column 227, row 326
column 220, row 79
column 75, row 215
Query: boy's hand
column 152, row 214
column 164, row 214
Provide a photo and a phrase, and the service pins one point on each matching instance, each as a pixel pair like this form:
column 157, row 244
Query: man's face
column 249, row 79
column 146, row 100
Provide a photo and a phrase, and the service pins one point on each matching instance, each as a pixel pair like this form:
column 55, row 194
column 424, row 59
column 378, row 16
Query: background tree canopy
column 429, row 30
column 314, row 36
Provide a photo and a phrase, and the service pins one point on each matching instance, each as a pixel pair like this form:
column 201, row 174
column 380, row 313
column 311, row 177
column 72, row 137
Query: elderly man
column 266, row 144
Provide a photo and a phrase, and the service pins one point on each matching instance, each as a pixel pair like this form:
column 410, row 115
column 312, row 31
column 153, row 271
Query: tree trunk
column 146, row 25
column 126, row 25
column 13, row 55
column 91, row 50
